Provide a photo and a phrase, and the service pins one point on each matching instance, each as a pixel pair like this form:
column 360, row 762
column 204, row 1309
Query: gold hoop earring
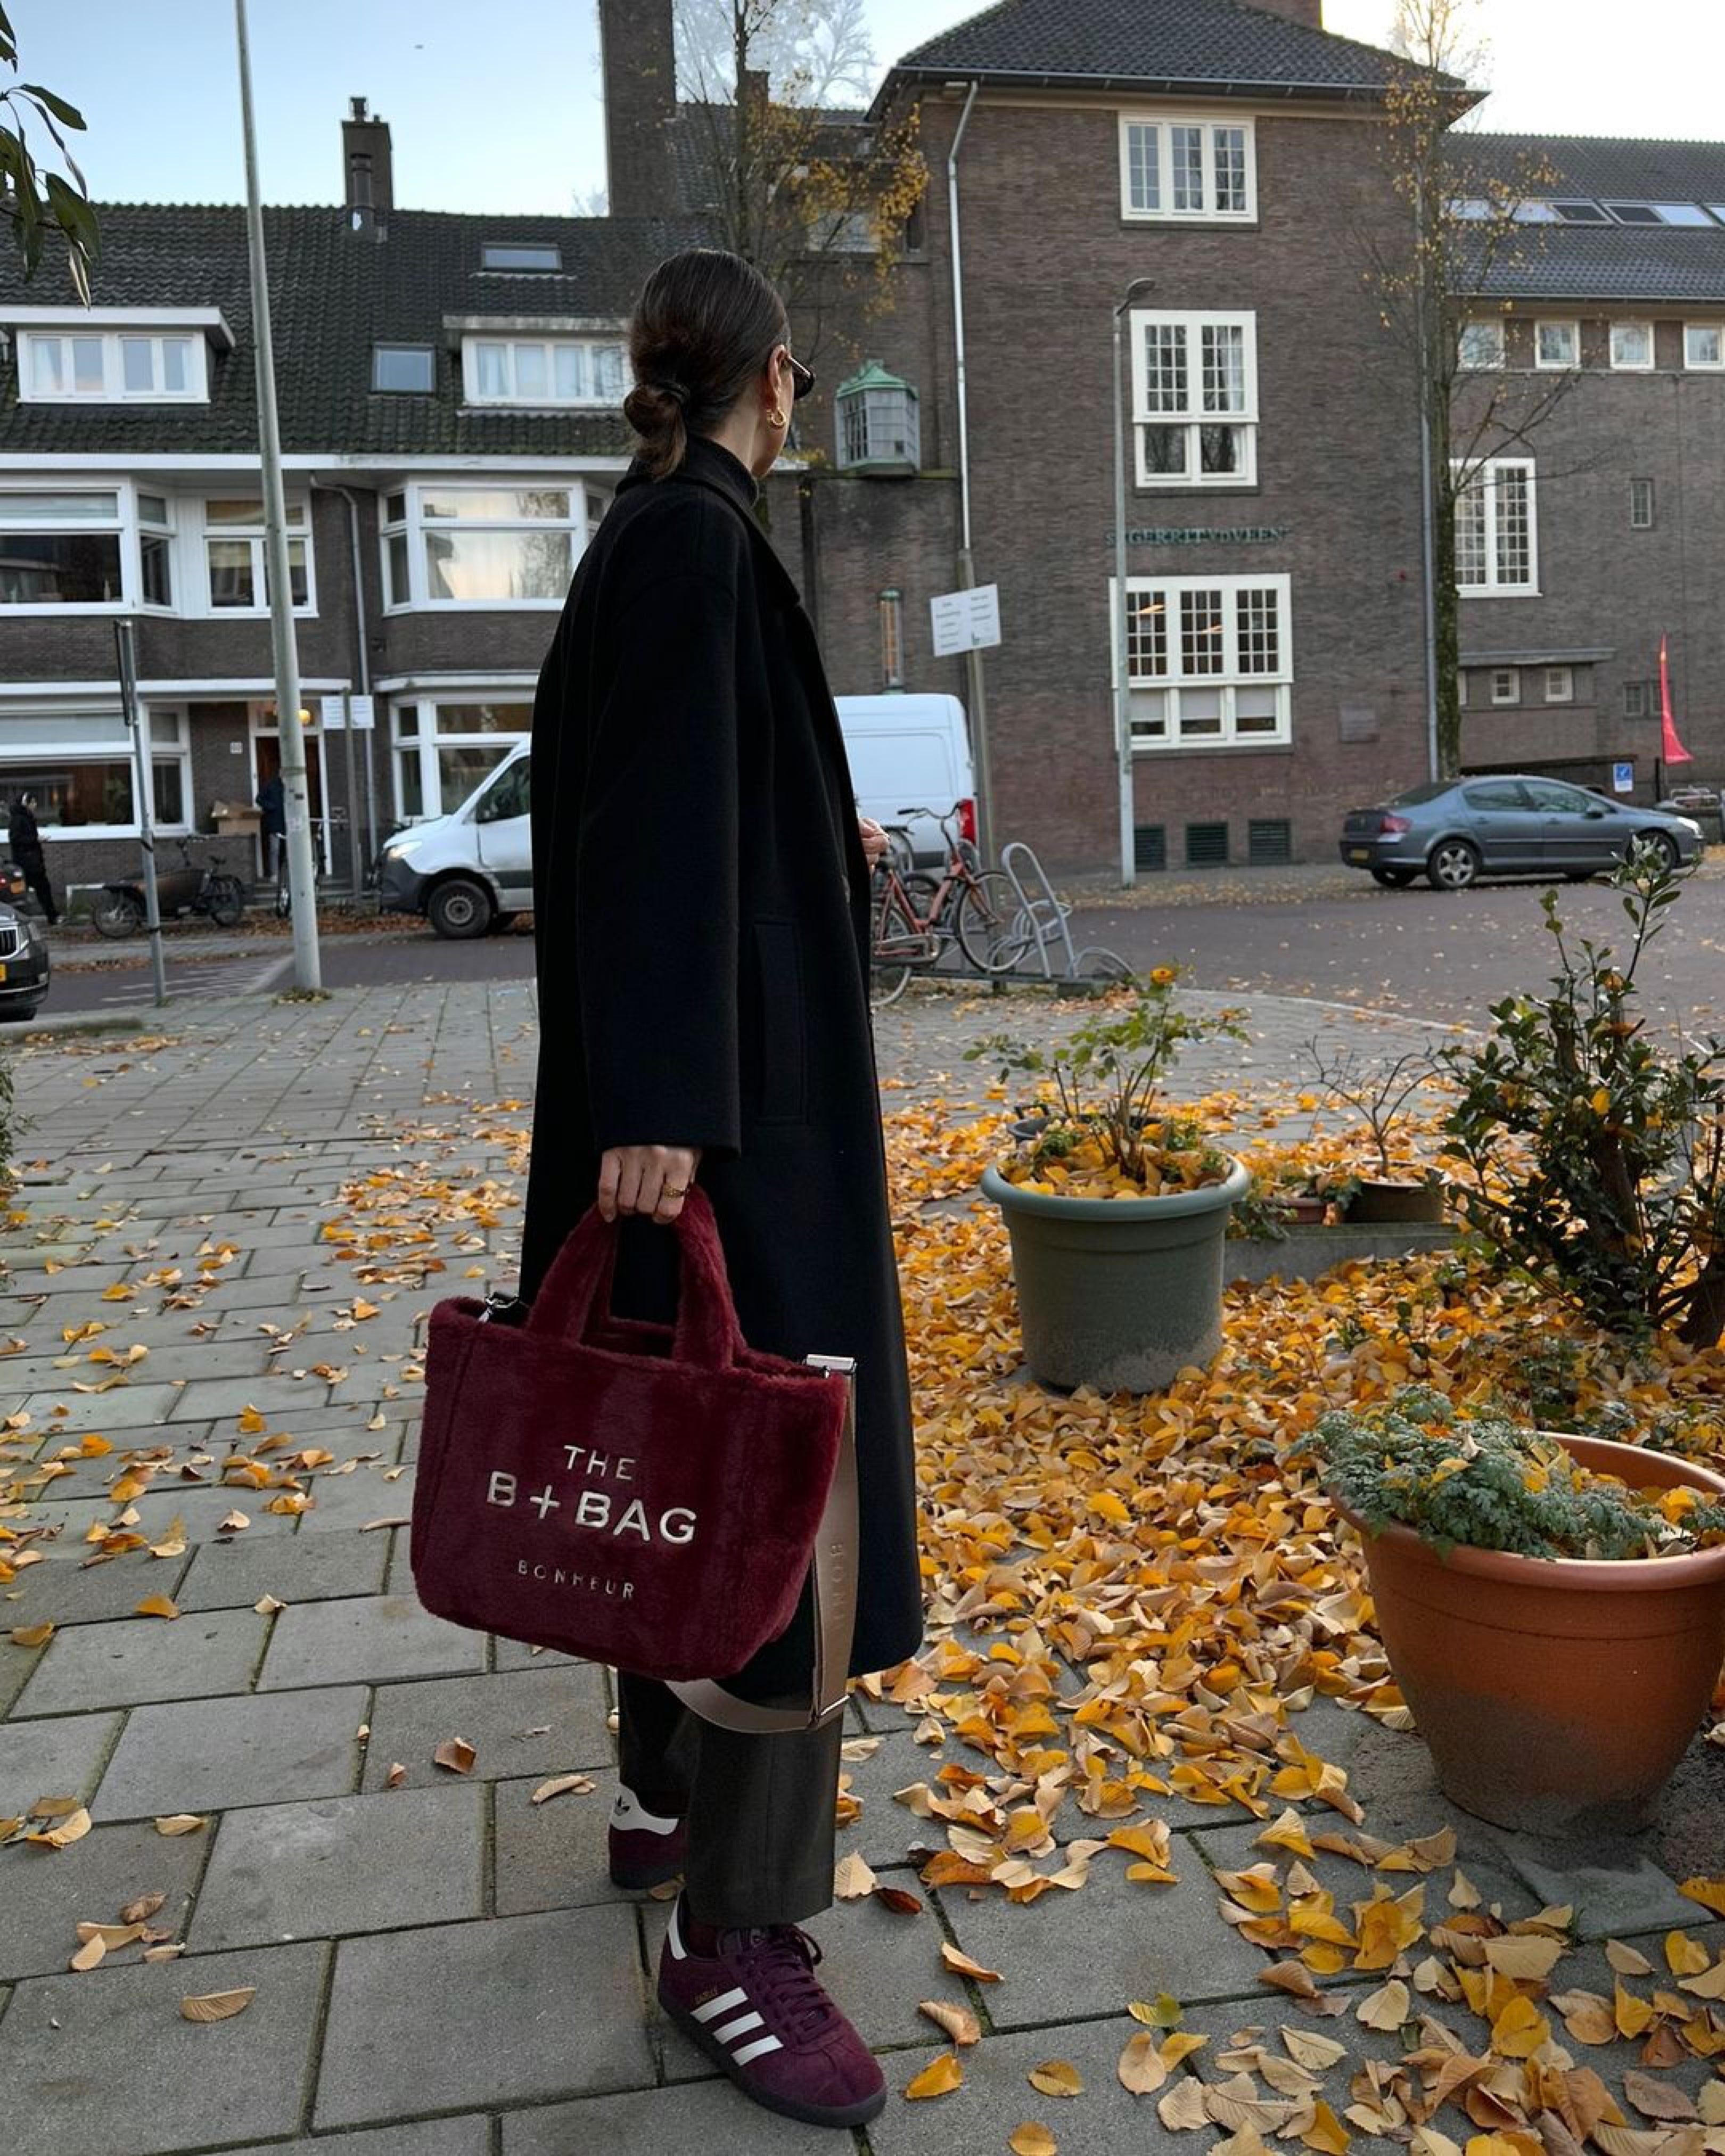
column 775, row 418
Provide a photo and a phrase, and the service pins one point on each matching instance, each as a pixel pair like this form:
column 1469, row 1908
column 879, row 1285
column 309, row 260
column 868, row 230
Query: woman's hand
column 646, row 1178
column 874, row 840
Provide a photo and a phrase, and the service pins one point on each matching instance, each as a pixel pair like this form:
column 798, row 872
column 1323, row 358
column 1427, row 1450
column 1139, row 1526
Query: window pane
column 531, row 376
column 231, row 573
column 1202, row 634
column 60, row 508
column 70, row 794
column 1200, row 714
column 1557, row 344
column 1187, row 146
column 1703, row 344
column 570, row 363
column 48, row 365
column 459, row 770
column 1470, row 533
column 164, row 725
column 1515, row 536
column 413, row 789
column 1149, row 714
column 1229, row 145
column 153, row 508
column 138, row 363
column 1143, row 175
column 177, row 365
column 1482, row 344
column 1222, row 448
column 399, row 592
column 407, row 719
column 1146, row 635
column 1165, row 451
column 499, row 254
column 59, row 568
column 299, row 586
column 490, row 370
column 169, row 790
column 402, row 367
column 238, row 512
column 1164, row 366
column 1223, row 348
column 483, row 719
column 395, row 508
column 1258, row 630
column 158, row 585
column 607, row 370
column 1631, row 344
column 495, row 504
column 497, row 565
column 1257, row 711
column 87, row 366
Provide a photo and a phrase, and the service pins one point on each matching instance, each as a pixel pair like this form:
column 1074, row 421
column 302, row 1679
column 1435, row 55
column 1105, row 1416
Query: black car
column 1457, row 829
column 25, row 967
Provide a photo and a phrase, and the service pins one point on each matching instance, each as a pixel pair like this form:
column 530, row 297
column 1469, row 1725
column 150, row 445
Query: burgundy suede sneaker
column 757, row 2008
column 646, row 1850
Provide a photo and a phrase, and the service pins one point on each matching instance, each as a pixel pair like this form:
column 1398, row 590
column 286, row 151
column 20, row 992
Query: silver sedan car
column 1456, row 831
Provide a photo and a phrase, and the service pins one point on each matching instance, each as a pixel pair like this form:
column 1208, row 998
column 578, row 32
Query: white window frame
column 1165, row 122
column 586, row 505
column 1693, row 329
column 1557, row 366
column 18, row 747
column 1174, row 681
column 1560, row 684
column 1633, row 366
column 1647, row 522
column 1489, row 323
column 509, row 343
column 125, row 522
column 430, row 737
column 1487, row 475
column 1506, row 685
column 1192, row 416
column 113, row 390
column 204, row 590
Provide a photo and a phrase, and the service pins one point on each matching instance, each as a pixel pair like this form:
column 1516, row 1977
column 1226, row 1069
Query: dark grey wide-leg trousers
column 760, row 1810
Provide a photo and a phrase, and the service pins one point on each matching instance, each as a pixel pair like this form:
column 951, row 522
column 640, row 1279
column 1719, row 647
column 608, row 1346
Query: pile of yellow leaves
column 1088, row 1172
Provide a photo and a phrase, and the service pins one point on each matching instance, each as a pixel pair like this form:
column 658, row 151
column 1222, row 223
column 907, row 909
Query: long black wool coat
column 700, row 897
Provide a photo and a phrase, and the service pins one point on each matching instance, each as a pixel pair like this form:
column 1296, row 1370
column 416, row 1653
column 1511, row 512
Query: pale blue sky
column 496, row 107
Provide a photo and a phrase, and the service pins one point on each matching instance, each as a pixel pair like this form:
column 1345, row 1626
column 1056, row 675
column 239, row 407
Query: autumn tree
column 1463, row 222
column 798, row 180
column 35, row 199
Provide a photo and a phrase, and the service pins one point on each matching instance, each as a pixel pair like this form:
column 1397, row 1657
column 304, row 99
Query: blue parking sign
column 1623, row 778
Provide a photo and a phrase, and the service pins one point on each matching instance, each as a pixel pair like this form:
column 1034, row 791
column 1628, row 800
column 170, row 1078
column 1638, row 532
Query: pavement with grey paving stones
column 441, row 1966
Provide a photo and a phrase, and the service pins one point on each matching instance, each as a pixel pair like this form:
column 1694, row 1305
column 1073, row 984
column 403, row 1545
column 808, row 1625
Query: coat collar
column 705, row 462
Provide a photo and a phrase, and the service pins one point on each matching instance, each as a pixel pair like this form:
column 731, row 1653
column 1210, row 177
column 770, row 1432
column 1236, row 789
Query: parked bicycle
column 194, row 887
column 917, row 915
column 334, row 825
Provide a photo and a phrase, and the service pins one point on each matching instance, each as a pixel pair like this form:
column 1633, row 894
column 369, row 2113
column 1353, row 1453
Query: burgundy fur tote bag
column 643, row 1494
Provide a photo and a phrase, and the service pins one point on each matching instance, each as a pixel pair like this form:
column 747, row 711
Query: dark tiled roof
column 1153, row 44
column 333, row 294
column 1652, row 264
column 1606, row 168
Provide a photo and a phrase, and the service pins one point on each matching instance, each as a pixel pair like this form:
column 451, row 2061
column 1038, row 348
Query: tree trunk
column 1705, row 1318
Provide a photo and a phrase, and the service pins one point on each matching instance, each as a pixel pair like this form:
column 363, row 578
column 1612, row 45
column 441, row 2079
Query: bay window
column 1497, row 530
column 1187, row 167
column 1209, row 661
column 442, row 747
column 1195, row 399
column 541, row 371
column 61, row 548
column 466, row 545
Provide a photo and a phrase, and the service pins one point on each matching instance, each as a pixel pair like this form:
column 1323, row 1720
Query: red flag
column 1670, row 748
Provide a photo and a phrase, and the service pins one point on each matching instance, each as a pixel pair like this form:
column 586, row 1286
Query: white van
column 910, row 752
column 472, row 871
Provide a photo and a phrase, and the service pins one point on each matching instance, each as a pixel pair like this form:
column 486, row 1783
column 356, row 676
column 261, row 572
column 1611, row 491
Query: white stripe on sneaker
column 739, row 2027
column 724, row 2004
column 629, row 1815
column 756, row 2050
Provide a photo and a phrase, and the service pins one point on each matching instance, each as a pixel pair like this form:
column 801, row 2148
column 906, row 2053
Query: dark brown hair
column 705, row 323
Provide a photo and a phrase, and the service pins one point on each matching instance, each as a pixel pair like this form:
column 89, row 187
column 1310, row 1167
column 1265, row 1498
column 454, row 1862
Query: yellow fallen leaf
column 562, row 1785
column 852, row 1878
column 1183, row 2108
column 1032, row 2139
column 31, row 1635
column 455, row 1753
column 1388, row 2008
column 72, row 1828
column 1327, row 2132
column 1056, row 2078
column 1626, row 1960
column 251, row 1423
column 1527, row 1960
column 1684, row 1956
column 939, row 2077
column 156, row 1605
column 1709, row 1893
column 961, row 1964
column 266, row 1605
column 90, row 1953
column 179, row 1823
column 959, row 2023
column 1164, row 2011
column 1142, row 2068
column 1519, row 2029
column 1317, row 2054
column 1631, row 2013
column 218, row 2005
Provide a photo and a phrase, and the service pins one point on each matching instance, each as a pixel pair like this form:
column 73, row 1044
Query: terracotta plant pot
column 1307, row 1211
column 1557, row 1694
column 1397, row 1202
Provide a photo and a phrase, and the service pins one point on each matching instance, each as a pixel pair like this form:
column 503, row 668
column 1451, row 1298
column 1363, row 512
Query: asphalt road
column 1438, row 956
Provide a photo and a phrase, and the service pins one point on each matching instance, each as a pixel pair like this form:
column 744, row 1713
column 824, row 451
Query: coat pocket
column 781, row 1043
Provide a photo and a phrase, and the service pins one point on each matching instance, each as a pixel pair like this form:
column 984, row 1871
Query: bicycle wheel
column 901, row 947
column 116, row 913
column 993, row 931
column 226, row 902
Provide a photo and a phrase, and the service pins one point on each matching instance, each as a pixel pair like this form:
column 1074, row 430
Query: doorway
column 266, row 763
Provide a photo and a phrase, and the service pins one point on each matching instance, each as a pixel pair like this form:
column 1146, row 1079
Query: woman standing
column 701, row 904
column 24, row 837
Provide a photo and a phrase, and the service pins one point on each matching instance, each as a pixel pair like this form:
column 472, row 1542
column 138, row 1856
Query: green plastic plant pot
column 1119, row 1293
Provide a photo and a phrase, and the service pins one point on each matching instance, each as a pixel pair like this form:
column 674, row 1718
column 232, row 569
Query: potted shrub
column 1402, row 1190
column 1552, row 1607
column 1116, row 1205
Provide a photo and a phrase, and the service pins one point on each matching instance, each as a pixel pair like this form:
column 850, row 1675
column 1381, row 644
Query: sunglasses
column 802, row 378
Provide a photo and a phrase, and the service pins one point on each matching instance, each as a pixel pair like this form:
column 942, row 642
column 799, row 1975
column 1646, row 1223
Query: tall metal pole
column 301, row 878
column 1428, row 516
column 143, row 767
column 967, row 560
column 1119, row 612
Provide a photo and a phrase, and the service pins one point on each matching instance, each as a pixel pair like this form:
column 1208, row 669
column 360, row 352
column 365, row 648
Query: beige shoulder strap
column 833, row 1574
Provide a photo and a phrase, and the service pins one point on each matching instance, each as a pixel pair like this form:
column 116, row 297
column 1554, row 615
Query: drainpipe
column 967, row 564
column 363, row 669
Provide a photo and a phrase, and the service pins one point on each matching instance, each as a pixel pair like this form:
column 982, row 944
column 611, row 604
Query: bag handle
column 578, row 1285
column 833, row 1576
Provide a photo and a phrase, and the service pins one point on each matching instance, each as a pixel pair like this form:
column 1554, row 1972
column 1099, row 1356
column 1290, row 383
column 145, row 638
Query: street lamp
column 1122, row 704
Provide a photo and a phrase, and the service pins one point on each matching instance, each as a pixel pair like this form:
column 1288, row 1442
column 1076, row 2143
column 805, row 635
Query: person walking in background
column 272, row 800
column 24, row 837
column 701, row 915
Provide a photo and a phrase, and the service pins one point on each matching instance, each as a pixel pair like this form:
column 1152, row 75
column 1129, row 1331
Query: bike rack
column 1047, row 919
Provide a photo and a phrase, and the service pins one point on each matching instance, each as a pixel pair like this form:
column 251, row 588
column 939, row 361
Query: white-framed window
column 1704, row 344
column 1632, row 347
column 1505, row 684
column 443, row 746
column 1482, row 344
column 1188, row 168
column 234, row 553
column 1557, row 344
column 63, row 548
column 1560, row 684
column 1195, row 399
column 1496, row 529
column 538, row 372
column 1209, row 661
column 1642, row 505
column 78, row 764
column 483, row 545
column 112, row 367
column 156, row 551
column 517, row 256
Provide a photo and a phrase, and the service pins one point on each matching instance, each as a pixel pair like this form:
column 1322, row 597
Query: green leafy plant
column 1611, row 1192
column 32, row 200
column 1473, row 1477
column 1106, row 1074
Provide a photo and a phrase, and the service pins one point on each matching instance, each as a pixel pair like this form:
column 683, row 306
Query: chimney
column 638, row 59
column 369, row 173
column 1310, row 13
